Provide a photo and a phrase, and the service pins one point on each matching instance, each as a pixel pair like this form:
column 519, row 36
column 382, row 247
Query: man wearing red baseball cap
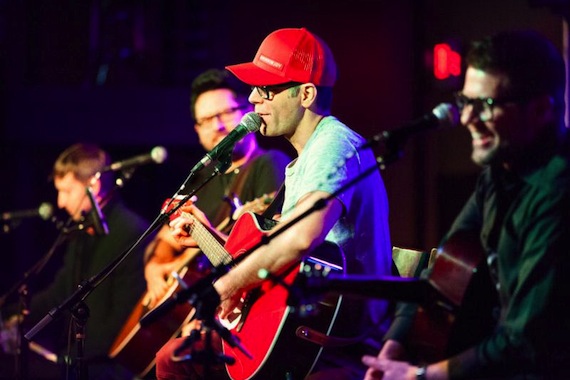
column 292, row 76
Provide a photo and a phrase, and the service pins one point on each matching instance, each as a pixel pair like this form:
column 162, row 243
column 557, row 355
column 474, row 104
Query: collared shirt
column 523, row 223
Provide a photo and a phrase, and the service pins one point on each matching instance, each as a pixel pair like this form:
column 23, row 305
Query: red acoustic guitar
column 135, row 346
column 267, row 327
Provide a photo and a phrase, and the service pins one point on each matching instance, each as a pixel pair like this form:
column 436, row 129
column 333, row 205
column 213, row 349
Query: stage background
column 117, row 73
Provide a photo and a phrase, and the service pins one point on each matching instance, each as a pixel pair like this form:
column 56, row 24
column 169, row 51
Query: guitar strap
column 276, row 205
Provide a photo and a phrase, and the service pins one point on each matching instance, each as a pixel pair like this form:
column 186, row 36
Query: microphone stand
column 80, row 313
column 21, row 286
column 203, row 296
column 75, row 302
column 205, row 305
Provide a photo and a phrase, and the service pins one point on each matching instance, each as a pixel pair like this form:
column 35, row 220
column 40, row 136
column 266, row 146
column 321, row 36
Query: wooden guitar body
column 274, row 326
column 135, row 346
column 466, row 314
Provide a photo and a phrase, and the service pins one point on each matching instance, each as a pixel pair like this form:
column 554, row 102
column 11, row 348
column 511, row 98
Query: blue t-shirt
column 329, row 160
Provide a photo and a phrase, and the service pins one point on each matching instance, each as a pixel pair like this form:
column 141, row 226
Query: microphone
column 99, row 223
column 250, row 122
column 157, row 155
column 45, row 211
column 444, row 115
column 364, row 286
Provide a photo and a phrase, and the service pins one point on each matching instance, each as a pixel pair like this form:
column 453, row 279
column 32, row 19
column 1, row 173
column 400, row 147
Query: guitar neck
column 208, row 242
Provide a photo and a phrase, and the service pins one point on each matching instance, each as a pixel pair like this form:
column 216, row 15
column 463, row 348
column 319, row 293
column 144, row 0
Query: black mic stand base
column 80, row 315
column 208, row 356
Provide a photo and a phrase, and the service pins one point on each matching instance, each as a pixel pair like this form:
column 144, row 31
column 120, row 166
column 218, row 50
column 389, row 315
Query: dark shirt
column 527, row 249
column 111, row 302
column 265, row 173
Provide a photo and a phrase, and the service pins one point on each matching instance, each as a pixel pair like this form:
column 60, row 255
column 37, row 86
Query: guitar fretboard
column 212, row 248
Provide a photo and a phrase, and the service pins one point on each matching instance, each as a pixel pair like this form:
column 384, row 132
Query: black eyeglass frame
column 268, row 92
column 481, row 105
column 220, row 115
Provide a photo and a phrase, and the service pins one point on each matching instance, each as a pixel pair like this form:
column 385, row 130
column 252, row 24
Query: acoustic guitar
column 135, row 346
column 267, row 326
column 274, row 324
column 467, row 300
column 454, row 305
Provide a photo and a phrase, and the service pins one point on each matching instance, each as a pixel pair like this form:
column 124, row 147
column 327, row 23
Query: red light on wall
column 446, row 61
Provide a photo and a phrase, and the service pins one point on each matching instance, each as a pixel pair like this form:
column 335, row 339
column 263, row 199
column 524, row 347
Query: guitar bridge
column 250, row 298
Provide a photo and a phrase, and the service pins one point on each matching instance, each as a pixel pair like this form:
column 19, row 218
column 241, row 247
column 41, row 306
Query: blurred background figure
column 99, row 229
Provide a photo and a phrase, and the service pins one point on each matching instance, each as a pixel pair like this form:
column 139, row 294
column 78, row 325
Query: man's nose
column 219, row 125
column 469, row 114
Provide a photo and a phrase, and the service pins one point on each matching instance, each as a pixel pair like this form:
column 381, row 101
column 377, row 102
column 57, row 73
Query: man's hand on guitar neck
column 181, row 226
column 168, row 255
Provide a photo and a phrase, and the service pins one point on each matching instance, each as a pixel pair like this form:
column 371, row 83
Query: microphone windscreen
column 45, row 211
column 159, row 154
column 447, row 114
column 251, row 121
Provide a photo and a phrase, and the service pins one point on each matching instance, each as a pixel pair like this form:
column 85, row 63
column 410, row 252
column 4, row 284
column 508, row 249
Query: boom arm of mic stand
column 225, row 162
column 79, row 295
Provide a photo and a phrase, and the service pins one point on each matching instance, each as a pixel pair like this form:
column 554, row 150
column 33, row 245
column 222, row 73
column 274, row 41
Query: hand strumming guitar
column 391, row 363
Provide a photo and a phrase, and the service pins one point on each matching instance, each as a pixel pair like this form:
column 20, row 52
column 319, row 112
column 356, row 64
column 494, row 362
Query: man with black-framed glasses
column 512, row 104
column 483, row 107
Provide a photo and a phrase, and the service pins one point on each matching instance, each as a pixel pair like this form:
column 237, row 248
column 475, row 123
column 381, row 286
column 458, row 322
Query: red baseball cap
column 289, row 55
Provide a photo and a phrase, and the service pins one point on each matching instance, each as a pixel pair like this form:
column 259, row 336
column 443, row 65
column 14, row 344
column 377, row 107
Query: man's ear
column 308, row 94
column 95, row 185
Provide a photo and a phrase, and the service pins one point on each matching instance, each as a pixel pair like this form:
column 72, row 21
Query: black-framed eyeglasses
column 225, row 116
column 268, row 92
column 482, row 107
